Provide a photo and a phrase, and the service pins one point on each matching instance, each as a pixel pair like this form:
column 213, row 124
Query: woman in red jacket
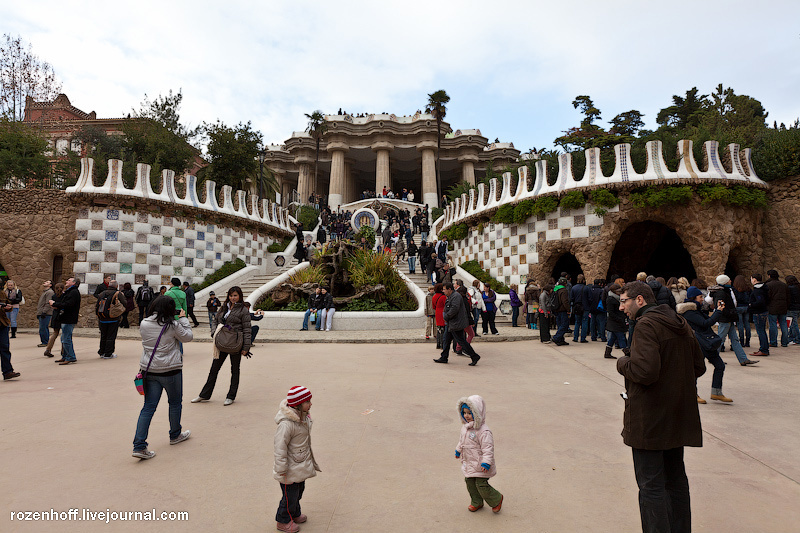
column 439, row 299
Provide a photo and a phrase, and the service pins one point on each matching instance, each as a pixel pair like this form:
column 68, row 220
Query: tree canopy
column 232, row 153
column 23, row 74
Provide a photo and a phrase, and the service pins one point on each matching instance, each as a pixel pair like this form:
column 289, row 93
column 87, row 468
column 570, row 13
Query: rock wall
column 781, row 227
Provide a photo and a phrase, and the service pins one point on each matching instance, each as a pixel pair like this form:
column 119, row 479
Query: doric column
column 304, row 182
column 337, row 186
column 430, row 195
column 383, row 174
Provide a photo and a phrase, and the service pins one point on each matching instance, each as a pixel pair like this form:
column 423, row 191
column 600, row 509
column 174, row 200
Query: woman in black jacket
column 616, row 326
column 701, row 323
column 234, row 315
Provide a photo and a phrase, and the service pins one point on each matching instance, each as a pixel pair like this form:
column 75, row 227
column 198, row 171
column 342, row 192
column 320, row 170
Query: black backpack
column 146, row 294
column 107, row 309
column 553, row 301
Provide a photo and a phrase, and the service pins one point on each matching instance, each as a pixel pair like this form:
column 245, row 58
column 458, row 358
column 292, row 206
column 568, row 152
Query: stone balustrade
column 255, row 210
column 485, row 199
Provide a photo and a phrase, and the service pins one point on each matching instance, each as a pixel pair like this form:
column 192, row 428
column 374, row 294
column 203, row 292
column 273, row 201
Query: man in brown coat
column 661, row 415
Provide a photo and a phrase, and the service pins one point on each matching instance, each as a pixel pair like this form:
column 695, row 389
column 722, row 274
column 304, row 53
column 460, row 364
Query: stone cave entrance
column 653, row 248
column 567, row 263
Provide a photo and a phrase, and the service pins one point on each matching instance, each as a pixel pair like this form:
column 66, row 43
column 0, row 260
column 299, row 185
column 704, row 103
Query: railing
column 263, row 211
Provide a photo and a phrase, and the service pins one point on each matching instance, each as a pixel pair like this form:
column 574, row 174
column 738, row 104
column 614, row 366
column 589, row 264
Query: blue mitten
column 458, row 454
column 487, row 466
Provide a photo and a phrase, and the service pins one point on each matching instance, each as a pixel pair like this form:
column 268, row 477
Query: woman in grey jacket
column 165, row 371
column 234, row 315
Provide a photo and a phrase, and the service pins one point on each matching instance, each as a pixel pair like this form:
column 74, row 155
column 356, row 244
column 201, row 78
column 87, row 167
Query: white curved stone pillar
column 430, row 195
column 337, row 186
column 383, row 176
column 304, row 182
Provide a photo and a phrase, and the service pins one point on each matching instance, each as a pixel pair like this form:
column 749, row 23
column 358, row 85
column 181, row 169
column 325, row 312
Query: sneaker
column 199, row 399
column 180, row 438
column 301, row 519
column 473, row 508
column 44, row 345
column 109, row 356
column 496, row 333
column 144, row 454
column 496, row 509
column 227, row 401
column 721, row 398
column 291, row 527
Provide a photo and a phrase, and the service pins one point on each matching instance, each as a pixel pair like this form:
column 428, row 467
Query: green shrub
column 368, row 233
column 603, row 198
column 523, row 211
column 368, row 268
column 657, row 196
column 312, row 274
column 545, row 205
column 574, row 199
column 280, row 246
column 456, row 232
column 474, row 268
column 224, row 271
column 308, row 216
column 267, row 304
column 738, row 195
column 368, row 304
column 436, row 212
column 777, row 153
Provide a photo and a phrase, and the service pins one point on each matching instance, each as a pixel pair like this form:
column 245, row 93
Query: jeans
column 289, row 506
column 774, row 320
column 794, row 330
column 581, row 326
column 663, row 490
column 153, row 384
column 44, row 328
column 412, row 264
column 211, row 317
column 514, row 315
column 617, row 337
column 719, row 369
column 66, row 342
column 562, row 322
column 761, row 330
column 744, row 324
column 476, row 315
column 727, row 329
column 598, row 325
column 5, row 351
column 108, row 337
column 216, row 364
column 306, row 317
column 12, row 316
column 423, row 235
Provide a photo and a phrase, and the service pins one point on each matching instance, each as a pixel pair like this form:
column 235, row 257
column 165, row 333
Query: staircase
column 248, row 286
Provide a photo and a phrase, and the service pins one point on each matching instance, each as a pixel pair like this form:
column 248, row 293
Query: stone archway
column 651, row 247
column 567, row 263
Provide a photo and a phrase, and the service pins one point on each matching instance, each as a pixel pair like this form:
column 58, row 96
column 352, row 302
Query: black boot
column 608, row 352
column 14, row 333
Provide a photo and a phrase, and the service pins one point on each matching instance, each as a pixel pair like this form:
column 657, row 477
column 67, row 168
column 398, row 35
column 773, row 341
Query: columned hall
column 370, row 152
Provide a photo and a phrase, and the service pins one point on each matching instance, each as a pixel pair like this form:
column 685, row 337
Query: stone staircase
column 247, row 285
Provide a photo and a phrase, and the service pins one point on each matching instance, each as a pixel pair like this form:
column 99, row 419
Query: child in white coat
column 476, row 451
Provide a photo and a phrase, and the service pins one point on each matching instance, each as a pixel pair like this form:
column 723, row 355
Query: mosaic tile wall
column 507, row 250
column 133, row 247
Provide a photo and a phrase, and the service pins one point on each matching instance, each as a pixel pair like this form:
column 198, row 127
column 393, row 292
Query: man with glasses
column 661, row 415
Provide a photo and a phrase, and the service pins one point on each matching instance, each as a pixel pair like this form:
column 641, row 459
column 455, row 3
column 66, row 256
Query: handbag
column 138, row 381
column 708, row 340
column 313, row 317
column 227, row 340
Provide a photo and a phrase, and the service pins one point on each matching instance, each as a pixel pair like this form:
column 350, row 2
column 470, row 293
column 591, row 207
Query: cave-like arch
column 651, row 247
column 567, row 263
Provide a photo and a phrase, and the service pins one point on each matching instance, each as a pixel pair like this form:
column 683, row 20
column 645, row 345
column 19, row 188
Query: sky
column 511, row 68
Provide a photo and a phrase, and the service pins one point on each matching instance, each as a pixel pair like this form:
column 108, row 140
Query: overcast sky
column 511, row 68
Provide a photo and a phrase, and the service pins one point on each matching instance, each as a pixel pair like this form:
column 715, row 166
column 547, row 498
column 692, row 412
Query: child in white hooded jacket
column 476, row 451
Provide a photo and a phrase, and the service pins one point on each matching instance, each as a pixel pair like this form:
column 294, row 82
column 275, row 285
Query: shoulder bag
column 708, row 340
column 139, row 379
column 227, row 340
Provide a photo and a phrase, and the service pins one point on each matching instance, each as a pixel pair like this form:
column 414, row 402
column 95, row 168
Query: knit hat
column 297, row 395
column 722, row 279
column 692, row 293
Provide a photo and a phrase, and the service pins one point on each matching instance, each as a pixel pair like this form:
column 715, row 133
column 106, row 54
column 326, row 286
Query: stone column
column 337, row 186
column 468, row 172
column 430, row 195
column 383, row 174
column 304, row 182
column 350, row 194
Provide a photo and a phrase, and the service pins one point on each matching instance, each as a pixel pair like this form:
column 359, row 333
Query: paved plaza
column 385, row 430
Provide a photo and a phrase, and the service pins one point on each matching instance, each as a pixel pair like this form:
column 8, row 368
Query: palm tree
column 436, row 106
column 316, row 128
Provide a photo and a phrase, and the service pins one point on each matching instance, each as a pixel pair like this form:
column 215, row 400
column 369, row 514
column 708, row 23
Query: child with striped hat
column 294, row 460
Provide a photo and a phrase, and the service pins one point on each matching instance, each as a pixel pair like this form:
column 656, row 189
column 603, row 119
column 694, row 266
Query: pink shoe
column 300, row 519
column 472, row 508
column 499, row 505
column 291, row 527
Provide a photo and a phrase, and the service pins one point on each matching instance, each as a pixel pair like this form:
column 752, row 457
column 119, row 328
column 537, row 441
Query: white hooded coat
column 476, row 444
column 293, row 455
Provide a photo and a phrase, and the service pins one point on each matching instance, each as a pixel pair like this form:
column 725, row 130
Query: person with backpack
column 144, row 295
column 728, row 318
column 559, row 306
column 109, row 311
column 597, row 303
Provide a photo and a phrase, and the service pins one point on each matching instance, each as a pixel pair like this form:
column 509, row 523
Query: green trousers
column 480, row 490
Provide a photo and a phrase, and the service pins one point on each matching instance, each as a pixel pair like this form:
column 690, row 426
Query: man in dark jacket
column 663, row 294
column 579, row 311
column 5, row 346
column 728, row 318
column 561, row 311
column 597, row 293
column 455, row 313
column 757, row 308
column 70, row 305
column 661, row 415
column 314, row 306
column 108, row 326
column 777, row 306
column 103, row 287
column 189, row 291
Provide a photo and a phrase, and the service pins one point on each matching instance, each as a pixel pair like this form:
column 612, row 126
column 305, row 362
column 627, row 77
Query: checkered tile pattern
column 138, row 246
column 507, row 251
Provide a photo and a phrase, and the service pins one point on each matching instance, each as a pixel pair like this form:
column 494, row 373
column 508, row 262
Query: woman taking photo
column 234, row 316
column 162, row 368
column 14, row 296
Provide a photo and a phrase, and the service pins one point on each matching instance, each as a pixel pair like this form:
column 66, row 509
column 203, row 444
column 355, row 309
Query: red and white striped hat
column 297, row 395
